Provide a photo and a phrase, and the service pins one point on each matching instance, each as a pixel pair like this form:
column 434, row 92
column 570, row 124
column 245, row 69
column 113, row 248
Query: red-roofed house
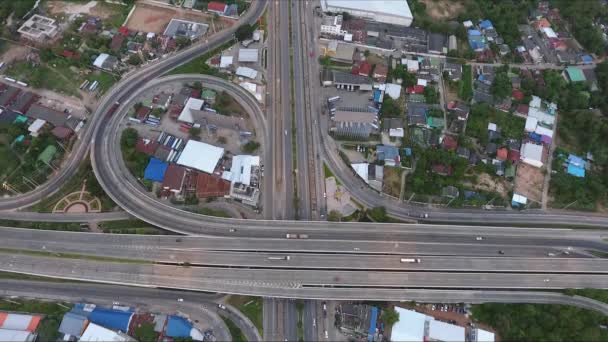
column 146, row 146
column 362, row 69
column 380, row 73
column 523, row 109
column 514, row 155
column 70, row 54
column 174, row 179
column 442, row 169
column 216, row 7
column 62, row 133
column 211, row 186
column 124, row 31
column 559, row 45
column 417, row 89
column 142, row 113
column 449, row 143
column 502, row 154
column 541, row 24
column 116, row 42
column 517, row 94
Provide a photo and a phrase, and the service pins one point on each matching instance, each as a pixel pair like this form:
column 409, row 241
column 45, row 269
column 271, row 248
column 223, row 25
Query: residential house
column 532, row 154
column 442, row 169
column 216, row 7
column 39, row 28
column 362, row 68
column 351, row 82
column 449, row 143
column 460, row 109
column 388, row 154
column 380, row 73
column 454, row 70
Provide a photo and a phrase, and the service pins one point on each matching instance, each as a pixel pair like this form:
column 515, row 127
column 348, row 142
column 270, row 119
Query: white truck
column 410, row 260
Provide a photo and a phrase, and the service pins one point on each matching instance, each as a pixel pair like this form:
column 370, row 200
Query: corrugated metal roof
column 248, row 55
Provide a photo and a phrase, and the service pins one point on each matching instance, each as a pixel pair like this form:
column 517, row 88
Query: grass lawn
column 235, row 332
column 511, row 126
column 53, row 314
column 199, row 65
column 72, row 226
column 106, row 80
column 214, row 212
column 133, row 226
column 57, row 77
column 252, row 307
column 120, row 13
column 9, row 161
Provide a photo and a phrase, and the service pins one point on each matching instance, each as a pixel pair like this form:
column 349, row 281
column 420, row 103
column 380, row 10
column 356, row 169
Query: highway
column 242, row 266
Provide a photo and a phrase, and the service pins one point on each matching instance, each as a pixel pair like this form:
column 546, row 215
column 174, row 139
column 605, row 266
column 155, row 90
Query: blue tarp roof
column 474, row 33
column 534, row 136
column 377, row 96
column 372, row 324
column 576, row 171
column 576, row 160
column 155, row 171
column 587, row 59
column 78, row 309
column 485, row 24
column 113, row 319
column 408, row 151
column 178, row 327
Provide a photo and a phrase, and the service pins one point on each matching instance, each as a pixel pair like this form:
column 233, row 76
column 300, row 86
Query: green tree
column 334, row 216
column 250, row 147
column 431, row 95
column 129, row 138
column 378, row 214
column 390, row 108
column 194, row 132
column 182, row 42
column 244, row 32
column 390, row 317
column 134, row 59
column 501, row 88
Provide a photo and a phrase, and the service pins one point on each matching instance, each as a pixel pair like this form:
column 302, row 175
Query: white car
column 325, row 195
column 479, row 238
column 180, row 299
column 221, row 306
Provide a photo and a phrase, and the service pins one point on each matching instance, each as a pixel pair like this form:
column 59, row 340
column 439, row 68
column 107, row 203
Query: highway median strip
column 73, row 256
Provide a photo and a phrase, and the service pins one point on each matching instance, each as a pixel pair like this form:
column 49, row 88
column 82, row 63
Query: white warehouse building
column 395, row 12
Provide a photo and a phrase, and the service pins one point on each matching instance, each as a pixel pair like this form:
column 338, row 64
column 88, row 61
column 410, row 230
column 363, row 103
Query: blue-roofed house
column 388, row 154
column 474, row 33
column 155, row 171
column 485, row 24
column 576, row 166
column 587, row 59
column 372, row 324
column 477, row 41
column 112, row 319
column 178, row 327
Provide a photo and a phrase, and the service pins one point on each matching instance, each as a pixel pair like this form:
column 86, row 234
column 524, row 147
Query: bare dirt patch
column 485, row 182
column 15, row 52
column 94, row 8
column 149, row 18
column 443, row 9
column 529, row 182
column 392, row 181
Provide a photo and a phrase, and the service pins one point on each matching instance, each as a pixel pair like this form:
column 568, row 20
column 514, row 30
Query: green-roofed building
column 208, row 94
column 510, row 171
column 47, row 155
column 20, row 119
column 574, row 74
column 435, row 122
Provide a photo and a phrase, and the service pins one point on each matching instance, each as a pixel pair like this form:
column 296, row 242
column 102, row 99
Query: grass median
column 73, row 256
column 252, row 307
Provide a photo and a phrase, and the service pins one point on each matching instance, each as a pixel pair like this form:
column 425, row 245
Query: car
column 551, row 254
column 325, row 195
column 501, row 252
column 285, row 132
column 115, row 303
column 314, row 322
column 326, row 334
column 232, row 230
column 357, row 249
column 479, row 238
column 221, row 306
column 180, row 299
